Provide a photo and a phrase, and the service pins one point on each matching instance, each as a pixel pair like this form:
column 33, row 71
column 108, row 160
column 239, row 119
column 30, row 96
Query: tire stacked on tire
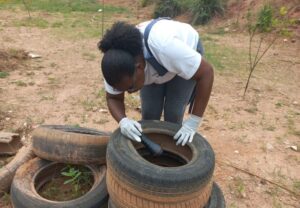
column 56, row 145
column 137, row 180
column 7, row 172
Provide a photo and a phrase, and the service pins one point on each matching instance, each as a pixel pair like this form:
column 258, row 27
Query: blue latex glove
column 187, row 131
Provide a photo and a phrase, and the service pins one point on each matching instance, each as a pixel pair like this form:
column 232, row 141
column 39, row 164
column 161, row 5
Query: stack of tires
column 55, row 145
column 180, row 177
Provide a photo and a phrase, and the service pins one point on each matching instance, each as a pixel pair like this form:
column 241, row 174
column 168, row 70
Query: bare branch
column 27, row 8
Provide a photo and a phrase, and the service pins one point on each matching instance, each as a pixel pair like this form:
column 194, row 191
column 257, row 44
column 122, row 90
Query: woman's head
column 122, row 46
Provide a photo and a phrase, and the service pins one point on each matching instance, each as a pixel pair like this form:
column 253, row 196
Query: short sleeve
column 177, row 57
column 110, row 89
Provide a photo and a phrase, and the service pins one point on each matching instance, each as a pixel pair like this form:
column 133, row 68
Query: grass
column 221, row 56
column 3, row 74
column 296, row 186
column 70, row 19
column 20, row 83
column 89, row 56
column 88, row 105
column 292, row 129
column 5, row 199
column 31, row 22
column 238, row 187
column 62, row 6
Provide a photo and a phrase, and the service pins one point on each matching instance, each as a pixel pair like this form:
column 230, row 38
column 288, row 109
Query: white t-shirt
column 173, row 44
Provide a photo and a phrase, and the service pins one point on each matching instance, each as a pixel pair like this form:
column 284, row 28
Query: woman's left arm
column 204, row 77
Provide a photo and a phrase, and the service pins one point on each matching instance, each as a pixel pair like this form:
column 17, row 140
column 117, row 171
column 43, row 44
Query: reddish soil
column 254, row 139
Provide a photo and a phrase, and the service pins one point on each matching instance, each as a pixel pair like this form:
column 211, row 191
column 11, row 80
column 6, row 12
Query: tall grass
column 63, row 6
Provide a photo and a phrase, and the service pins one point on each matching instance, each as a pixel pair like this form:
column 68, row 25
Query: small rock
column 294, row 147
column 7, row 119
column 276, row 54
column 295, row 103
column 94, row 109
column 226, row 29
column 103, row 111
column 285, row 40
column 236, row 152
column 243, row 194
column 263, row 181
column 33, row 55
column 293, row 40
column 99, row 10
column 10, row 111
column 270, row 146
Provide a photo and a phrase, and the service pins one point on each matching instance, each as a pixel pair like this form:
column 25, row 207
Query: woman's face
column 135, row 82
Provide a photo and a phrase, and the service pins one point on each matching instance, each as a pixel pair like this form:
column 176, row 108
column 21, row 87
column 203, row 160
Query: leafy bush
column 265, row 19
column 167, row 8
column 204, row 10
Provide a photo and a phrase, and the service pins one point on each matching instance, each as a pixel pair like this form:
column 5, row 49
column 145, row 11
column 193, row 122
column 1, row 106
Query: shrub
column 265, row 19
column 204, row 10
column 167, row 8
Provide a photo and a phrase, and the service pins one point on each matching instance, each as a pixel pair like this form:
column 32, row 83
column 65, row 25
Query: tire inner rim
column 167, row 159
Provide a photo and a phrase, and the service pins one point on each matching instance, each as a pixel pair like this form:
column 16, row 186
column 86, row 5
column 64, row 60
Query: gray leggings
column 171, row 97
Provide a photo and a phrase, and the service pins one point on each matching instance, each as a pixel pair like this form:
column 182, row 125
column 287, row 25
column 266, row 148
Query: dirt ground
column 252, row 137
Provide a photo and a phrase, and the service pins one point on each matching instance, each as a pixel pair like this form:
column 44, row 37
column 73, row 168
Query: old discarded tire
column 216, row 199
column 111, row 204
column 68, row 144
column 7, row 172
column 36, row 172
column 180, row 178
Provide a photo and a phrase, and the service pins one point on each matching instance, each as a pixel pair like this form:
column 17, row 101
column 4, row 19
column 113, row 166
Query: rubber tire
column 8, row 171
column 134, row 182
column 24, row 195
column 216, row 199
column 68, row 144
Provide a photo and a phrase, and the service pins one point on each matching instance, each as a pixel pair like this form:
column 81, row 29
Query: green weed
column 32, row 22
column 3, row 74
column 5, row 199
column 223, row 57
column 20, row 83
column 62, row 6
column 89, row 56
column 296, row 186
column 88, row 105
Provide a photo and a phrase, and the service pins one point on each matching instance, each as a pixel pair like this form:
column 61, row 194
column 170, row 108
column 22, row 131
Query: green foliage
column 167, row 8
column 270, row 19
column 76, row 176
column 265, row 19
column 145, row 3
column 3, row 74
column 204, row 10
column 63, row 6
column 32, row 22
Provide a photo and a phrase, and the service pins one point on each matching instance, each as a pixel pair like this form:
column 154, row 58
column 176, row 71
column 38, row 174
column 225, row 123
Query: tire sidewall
column 24, row 195
column 125, row 160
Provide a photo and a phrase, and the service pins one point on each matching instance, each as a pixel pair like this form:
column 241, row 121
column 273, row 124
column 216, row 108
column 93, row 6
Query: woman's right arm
column 130, row 128
column 116, row 105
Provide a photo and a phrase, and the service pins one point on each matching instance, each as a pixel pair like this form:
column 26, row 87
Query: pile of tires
column 7, row 172
column 181, row 177
column 125, row 173
column 55, row 146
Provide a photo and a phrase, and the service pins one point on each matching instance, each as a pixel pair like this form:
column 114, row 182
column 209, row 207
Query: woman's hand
column 131, row 128
column 187, row 131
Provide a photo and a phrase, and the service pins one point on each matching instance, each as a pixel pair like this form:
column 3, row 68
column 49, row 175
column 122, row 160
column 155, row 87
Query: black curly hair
column 120, row 45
